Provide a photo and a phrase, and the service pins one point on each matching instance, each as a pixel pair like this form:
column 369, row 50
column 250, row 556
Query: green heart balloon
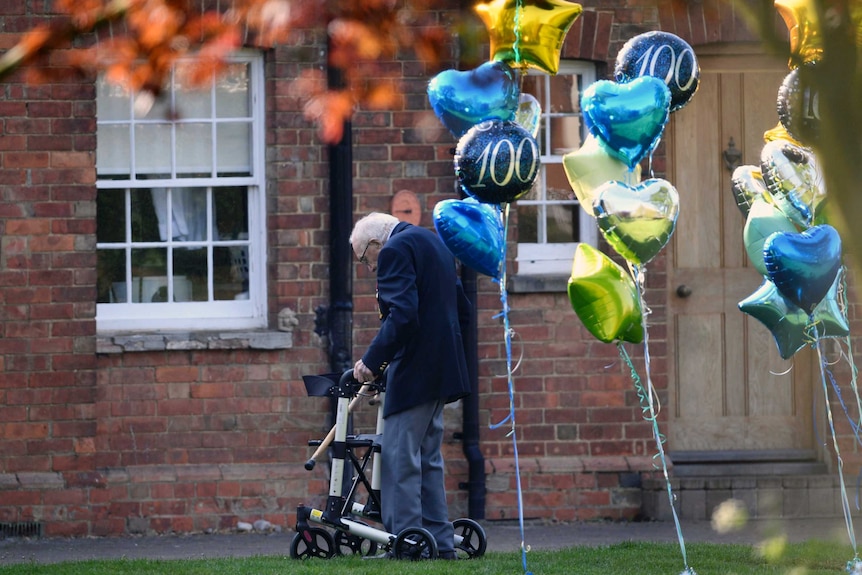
column 763, row 220
column 637, row 221
column 605, row 297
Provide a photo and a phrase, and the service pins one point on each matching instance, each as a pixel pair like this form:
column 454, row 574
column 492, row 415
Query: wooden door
column 731, row 394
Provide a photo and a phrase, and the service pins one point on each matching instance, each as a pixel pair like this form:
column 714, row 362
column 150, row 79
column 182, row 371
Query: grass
column 810, row 558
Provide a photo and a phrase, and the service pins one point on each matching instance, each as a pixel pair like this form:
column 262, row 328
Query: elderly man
column 422, row 310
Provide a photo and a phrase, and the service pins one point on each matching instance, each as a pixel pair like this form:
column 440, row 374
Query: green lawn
column 811, row 558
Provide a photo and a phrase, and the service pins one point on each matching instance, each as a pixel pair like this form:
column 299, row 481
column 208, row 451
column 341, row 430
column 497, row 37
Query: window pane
column 557, row 187
column 188, row 214
column 190, row 274
column 231, row 212
column 565, row 134
column 194, row 150
column 152, row 149
column 149, row 273
column 112, row 150
column 528, row 218
column 562, row 223
column 112, row 102
column 564, row 93
column 111, row 273
column 230, row 273
column 190, row 102
column 234, row 149
column 111, row 216
column 145, row 224
column 232, row 93
column 149, row 108
column 565, row 105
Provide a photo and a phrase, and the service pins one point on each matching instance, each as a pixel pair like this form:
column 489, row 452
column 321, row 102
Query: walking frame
column 343, row 513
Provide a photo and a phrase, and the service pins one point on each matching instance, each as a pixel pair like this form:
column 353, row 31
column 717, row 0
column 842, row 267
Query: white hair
column 374, row 226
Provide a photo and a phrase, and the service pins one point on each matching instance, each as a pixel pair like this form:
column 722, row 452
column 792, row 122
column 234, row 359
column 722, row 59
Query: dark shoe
column 448, row 556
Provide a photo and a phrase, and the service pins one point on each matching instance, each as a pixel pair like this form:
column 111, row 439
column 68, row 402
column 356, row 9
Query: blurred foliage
column 136, row 42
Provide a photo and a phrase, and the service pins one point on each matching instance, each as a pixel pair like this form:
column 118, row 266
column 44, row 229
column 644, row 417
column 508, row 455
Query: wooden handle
column 309, row 465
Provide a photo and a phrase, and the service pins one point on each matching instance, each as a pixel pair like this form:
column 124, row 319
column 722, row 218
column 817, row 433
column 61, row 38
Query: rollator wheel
column 415, row 544
column 347, row 544
column 473, row 540
column 313, row 542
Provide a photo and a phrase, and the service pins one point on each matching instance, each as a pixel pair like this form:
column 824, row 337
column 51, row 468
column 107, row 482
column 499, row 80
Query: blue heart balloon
column 803, row 266
column 463, row 99
column 497, row 162
column 627, row 119
column 473, row 232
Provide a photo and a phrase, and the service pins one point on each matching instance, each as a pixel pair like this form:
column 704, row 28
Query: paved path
column 501, row 536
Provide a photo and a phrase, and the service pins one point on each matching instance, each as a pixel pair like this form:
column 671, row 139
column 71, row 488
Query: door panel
column 729, row 389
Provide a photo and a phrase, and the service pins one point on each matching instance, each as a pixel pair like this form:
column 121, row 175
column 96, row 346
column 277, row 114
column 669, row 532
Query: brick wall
column 96, row 439
column 47, row 296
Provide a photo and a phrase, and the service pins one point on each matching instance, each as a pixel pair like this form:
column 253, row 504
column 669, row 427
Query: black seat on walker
column 360, row 440
column 321, row 385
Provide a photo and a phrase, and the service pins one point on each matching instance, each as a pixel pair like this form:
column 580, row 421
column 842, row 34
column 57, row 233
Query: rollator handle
column 346, row 377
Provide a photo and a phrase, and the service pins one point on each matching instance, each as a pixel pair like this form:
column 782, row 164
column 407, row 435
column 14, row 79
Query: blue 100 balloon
column 664, row 56
column 497, row 162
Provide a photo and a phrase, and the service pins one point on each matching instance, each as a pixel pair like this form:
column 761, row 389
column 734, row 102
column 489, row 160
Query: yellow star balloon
column 800, row 17
column 528, row 33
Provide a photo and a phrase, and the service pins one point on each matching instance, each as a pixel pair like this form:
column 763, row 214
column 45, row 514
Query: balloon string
column 648, row 405
column 845, row 504
column 650, row 416
column 837, row 390
column 853, row 425
column 516, row 45
column 504, row 301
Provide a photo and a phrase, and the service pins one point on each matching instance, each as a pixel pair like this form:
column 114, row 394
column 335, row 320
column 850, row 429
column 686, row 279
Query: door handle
column 732, row 156
column 683, row 291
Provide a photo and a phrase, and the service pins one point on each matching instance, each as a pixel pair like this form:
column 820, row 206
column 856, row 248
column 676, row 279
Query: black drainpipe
column 470, row 427
column 339, row 316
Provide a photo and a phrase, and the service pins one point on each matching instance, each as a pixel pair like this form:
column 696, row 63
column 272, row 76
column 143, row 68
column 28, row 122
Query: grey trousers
column 412, row 488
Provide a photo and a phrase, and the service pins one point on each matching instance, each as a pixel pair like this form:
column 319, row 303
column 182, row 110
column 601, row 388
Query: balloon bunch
column 497, row 156
column 787, row 236
column 656, row 74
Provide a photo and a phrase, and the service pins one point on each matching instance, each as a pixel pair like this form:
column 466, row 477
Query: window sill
column 556, row 283
column 109, row 343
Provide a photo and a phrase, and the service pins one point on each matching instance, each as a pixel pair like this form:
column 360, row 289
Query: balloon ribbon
column 854, row 565
column 648, row 406
column 504, row 300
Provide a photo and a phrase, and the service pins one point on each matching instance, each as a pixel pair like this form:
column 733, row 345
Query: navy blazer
column 422, row 309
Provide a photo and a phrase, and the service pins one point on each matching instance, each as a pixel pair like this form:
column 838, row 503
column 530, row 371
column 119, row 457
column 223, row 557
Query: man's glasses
column 362, row 259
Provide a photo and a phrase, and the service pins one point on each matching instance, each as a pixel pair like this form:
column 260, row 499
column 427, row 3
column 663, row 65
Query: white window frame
column 542, row 258
column 201, row 315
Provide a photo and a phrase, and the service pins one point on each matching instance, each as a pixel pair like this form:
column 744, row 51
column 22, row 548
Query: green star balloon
column 605, row 297
column 790, row 325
